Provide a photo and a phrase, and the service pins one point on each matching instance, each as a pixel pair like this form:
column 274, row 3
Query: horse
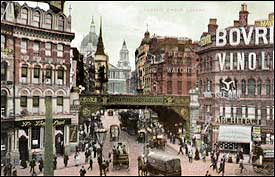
column 142, row 167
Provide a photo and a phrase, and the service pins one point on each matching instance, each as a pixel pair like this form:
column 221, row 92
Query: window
column 251, row 87
column 60, row 23
column 169, row 87
column 48, row 21
column 35, row 101
column 189, row 85
column 36, row 19
column 59, row 50
column 24, row 16
column 243, row 87
column 4, row 70
column 48, row 49
column 259, row 87
column 48, row 73
column 24, row 46
column 24, row 71
column 4, row 103
column 3, row 41
column 60, row 74
column 36, row 72
column 267, row 87
column 36, row 47
column 179, row 87
column 189, row 71
column 23, row 101
column 60, row 101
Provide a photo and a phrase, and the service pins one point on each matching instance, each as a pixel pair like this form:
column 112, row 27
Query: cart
column 263, row 159
column 120, row 155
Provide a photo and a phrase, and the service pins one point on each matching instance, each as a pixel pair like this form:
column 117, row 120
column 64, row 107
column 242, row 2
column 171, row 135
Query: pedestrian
column 82, row 171
column 197, row 154
column 41, row 164
column 213, row 164
column 217, row 155
column 76, row 158
column 207, row 173
column 55, row 163
column 221, row 166
column 174, row 139
column 94, row 150
column 86, row 155
column 14, row 171
column 110, row 157
column 6, row 170
column 90, row 163
column 237, row 157
column 186, row 149
column 241, row 165
column 180, row 149
column 190, row 155
column 66, row 159
column 32, row 165
column 9, row 169
column 204, row 155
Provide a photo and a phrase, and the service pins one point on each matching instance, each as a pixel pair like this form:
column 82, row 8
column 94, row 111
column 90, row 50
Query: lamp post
column 100, row 136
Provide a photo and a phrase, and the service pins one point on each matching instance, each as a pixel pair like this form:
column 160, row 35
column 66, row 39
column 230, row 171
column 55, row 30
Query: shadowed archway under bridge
column 171, row 110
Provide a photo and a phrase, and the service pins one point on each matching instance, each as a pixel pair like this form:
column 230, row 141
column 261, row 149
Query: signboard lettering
column 205, row 40
column 73, row 133
column 41, row 123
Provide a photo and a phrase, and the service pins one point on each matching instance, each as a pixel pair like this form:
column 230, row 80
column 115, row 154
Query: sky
column 127, row 20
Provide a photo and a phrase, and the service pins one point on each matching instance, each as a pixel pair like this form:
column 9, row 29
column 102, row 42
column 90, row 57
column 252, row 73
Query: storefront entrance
column 59, row 140
column 23, row 148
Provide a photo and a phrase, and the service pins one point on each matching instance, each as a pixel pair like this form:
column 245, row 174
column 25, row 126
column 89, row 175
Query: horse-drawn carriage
column 120, row 155
column 158, row 141
column 263, row 159
column 159, row 164
column 114, row 132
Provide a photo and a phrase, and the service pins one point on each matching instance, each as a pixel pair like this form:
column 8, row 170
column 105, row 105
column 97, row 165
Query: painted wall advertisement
column 256, row 134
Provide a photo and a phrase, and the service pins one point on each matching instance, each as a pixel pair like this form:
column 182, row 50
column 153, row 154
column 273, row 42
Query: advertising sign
column 256, row 134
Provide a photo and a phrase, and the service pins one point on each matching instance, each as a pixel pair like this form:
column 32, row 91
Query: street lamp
column 101, row 136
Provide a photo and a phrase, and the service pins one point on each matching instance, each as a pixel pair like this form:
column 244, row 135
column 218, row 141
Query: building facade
column 118, row 75
column 237, row 84
column 166, row 65
column 39, row 43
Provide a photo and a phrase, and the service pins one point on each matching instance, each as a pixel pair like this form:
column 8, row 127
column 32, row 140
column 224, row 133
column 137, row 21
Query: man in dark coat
column 41, row 164
column 82, row 171
column 66, row 159
column 32, row 165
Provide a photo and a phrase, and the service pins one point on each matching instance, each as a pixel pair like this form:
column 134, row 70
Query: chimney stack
column 212, row 26
column 236, row 23
column 271, row 16
column 243, row 16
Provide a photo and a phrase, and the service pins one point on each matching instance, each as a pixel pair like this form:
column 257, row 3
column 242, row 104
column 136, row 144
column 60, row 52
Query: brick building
column 235, row 96
column 39, row 43
column 166, row 65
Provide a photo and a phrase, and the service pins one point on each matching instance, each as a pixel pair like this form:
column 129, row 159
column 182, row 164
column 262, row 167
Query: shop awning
column 234, row 134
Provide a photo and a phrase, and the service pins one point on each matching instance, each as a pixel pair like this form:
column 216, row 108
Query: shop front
column 31, row 137
column 233, row 138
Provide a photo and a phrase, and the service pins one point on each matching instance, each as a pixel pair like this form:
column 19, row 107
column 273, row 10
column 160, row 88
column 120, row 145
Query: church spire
column 92, row 27
column 100, row 45
column 124, row 44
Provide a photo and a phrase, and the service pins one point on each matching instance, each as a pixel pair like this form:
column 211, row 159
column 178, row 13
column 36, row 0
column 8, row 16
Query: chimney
column 236, row 23
column 212, row 26
column 243, row 16
column 271, row 16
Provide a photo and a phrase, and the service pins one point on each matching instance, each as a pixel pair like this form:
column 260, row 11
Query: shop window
column 35, row 137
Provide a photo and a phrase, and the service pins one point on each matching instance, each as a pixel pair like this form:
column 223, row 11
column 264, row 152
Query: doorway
column 59, row 140
column 23, row 148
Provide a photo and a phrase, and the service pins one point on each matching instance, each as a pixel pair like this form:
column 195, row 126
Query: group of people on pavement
column 9, row 170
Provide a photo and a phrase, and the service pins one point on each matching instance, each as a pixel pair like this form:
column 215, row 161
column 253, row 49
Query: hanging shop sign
column 73, row 133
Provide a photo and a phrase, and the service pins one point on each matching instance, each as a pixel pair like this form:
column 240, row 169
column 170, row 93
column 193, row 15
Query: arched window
column 4, row 103
column 267, row 87
column 48, row 21
column 24, row 15
column 243, row 87
column 4, row 70
column 259, row 87
column 251, row 87
column 36, row 19
column 61, row 23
